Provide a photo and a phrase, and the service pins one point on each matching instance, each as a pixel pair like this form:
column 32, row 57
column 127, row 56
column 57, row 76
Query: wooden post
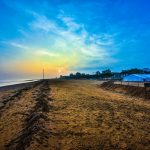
column 146, row 87
column 145, row 91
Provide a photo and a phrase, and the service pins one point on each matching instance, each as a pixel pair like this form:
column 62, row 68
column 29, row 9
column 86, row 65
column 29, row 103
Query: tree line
column 105, row 74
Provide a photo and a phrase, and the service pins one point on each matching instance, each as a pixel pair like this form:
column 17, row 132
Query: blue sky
column 66, row 36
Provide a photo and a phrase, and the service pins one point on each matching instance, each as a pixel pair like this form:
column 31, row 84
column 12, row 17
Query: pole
column 43, row 74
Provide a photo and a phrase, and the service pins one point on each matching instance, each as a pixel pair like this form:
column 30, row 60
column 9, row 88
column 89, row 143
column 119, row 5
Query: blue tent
column 137, row 78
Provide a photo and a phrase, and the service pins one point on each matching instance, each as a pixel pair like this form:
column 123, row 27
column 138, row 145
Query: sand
column 73, row 115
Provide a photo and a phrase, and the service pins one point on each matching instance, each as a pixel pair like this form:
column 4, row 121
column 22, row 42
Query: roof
column 141, row 75
column 137, row 77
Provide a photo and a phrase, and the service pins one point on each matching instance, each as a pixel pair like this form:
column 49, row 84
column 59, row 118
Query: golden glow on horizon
column 57, row 66
column 57, row 49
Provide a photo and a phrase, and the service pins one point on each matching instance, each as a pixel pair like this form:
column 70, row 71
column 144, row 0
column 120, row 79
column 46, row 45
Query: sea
column 13, row 82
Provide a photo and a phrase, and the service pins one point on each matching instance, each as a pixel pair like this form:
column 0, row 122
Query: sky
column 66, row 36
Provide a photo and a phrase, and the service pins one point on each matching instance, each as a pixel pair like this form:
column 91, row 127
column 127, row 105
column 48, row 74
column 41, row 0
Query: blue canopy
column 137, row 77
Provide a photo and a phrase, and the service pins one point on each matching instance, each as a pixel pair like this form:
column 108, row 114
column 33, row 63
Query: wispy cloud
column 43, row 23
column 14, row 44
column 43, row 52
column 70, row 36
column 66, row 40
column 70, row 23
column 18, row 45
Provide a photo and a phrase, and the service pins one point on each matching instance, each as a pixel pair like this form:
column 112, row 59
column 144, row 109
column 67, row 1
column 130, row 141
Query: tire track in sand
column 34, row 126
column 9, row 100
column 13, row 115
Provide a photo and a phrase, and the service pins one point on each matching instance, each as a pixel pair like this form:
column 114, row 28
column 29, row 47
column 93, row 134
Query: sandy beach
column 71, row 115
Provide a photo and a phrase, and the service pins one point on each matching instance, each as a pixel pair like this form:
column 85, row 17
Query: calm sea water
column 12, row 82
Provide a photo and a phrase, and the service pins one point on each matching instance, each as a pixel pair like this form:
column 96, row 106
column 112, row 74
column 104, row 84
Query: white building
column 137, row 78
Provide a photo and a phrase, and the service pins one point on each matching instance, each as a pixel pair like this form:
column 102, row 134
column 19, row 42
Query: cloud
column 18, row 45
column 76, row 38
column 64, row 40
column 70, row 23
column 44, row 52
column 14, row 44
column 42, row 23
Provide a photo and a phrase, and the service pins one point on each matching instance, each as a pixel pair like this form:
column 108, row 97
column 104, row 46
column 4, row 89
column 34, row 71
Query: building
column 146, row 70
column 117, row 75
column 137, row 78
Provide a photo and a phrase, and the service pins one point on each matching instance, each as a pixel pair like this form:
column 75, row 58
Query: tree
column 132, row 71
column 78, row 75
column 97, row 73
column 71, row 75
column 106, row 73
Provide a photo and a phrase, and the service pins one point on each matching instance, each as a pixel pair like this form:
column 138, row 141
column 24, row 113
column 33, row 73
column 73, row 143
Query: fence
column 138, row 84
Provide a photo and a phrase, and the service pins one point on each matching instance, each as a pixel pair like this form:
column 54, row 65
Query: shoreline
column 15, row 86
